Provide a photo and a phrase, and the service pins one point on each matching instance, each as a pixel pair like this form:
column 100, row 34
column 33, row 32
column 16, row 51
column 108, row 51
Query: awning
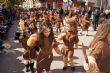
column 59, row 2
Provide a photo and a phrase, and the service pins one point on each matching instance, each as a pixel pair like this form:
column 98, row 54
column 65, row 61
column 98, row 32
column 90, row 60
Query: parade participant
column 57, row 23
column 46, row 43
column 61, row 13
column 70, row 38
column 20, row 29
column 29, row 54
column 32, row 27
column 99, row 58
column 85, row 24
column 46, row 21
column 21, row 24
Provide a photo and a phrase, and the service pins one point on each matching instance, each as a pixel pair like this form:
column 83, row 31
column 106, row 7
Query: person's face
column 32, row 25
column 75, row 17
column 46, row 32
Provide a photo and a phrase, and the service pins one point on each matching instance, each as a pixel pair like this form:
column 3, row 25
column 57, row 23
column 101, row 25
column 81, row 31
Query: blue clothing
column 95, row 22
column 83, row 10
column 96, row 16
column 89, row 12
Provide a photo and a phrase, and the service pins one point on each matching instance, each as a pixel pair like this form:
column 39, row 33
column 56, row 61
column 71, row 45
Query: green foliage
column 17, row 2
column 2, row 1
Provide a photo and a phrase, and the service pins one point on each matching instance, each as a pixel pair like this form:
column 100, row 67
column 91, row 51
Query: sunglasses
column 70, row 31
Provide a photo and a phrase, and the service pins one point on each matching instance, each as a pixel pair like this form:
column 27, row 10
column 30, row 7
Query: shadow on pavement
column 60, row 58
column 78, row 69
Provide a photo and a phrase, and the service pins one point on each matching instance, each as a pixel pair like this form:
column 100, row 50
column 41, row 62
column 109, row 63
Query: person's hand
column 84, row 53
column 86, row 66
column 61, row 36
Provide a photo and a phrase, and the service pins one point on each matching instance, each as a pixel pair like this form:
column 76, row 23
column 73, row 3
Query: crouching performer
column 99, row 58
column 70, row 38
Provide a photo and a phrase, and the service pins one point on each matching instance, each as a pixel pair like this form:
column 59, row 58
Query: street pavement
column 13, row 62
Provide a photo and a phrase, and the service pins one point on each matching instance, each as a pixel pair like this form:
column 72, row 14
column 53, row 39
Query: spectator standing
column 96, row 15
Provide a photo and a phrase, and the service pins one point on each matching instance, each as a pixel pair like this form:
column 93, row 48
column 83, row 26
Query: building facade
column 54, row 4
column 105, row 4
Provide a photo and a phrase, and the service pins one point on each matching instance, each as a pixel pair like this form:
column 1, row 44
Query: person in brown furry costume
column 70, row 38
column 85, row 23
column 99, row 58
column 29, row 53
column 57, row 23
column 46, row 42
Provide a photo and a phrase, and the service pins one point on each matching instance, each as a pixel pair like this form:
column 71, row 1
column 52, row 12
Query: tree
column 16, row 2
column 3, row 1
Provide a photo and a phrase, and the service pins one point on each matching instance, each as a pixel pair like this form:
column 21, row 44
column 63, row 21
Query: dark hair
column 41, row 35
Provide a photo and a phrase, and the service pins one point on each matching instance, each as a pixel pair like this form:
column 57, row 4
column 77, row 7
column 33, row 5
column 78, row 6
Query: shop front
column 53, row 4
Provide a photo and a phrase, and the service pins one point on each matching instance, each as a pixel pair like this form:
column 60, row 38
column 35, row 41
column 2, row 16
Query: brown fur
column 32, row 41
column 100, row 48
column 101, row 33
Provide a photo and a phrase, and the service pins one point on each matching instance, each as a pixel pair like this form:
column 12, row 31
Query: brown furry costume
column 70, row 38
column 45, row 55
column 21, row 24
column 32, row 27
column 57, row 23
column 102, row 57
column 57, row 19
column 30, row 52
column 101, row 50
column 68, row 48
column 85, row 23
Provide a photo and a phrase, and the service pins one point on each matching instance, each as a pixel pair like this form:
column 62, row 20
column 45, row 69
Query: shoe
column 72, row 68
column 87, row 35
column 64, row 68
column 32, row 67
column 27, row 67
column 81, row 33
